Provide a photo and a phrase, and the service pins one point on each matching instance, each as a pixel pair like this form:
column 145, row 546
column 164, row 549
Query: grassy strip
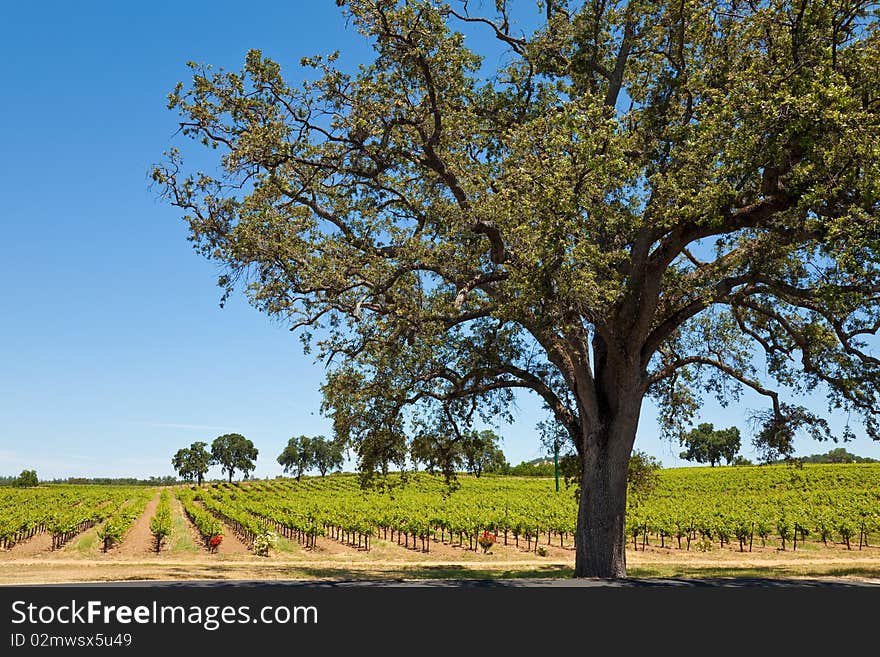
column 85, row 545
column 180, row 540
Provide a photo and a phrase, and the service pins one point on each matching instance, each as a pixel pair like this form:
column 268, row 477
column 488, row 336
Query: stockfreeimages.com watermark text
column 210, row 617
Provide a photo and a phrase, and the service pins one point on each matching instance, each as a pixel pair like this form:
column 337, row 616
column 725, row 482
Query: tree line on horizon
column 476, row 453
column 538, row 467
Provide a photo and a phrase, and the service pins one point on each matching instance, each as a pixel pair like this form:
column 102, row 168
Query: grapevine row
column 727, row 506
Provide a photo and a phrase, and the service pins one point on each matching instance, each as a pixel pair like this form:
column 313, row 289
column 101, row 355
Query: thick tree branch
column 615, row 80
column 749, row 216
column 671, row 368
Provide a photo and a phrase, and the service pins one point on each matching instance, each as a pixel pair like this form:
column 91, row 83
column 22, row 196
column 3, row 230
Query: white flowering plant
column 264, row 542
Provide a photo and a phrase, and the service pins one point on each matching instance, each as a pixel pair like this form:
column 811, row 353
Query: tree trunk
column 601, row 541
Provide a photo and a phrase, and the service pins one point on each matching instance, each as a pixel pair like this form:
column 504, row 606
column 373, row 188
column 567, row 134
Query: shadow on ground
column 515, row 582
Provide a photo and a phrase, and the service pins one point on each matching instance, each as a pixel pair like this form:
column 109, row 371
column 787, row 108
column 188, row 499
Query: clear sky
column 114, row 352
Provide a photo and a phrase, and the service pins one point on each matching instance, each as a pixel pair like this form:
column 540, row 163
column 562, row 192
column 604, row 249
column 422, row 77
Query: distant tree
column 232, row 452
column 480, row 451
column 705, row 444
column 165, row 480
column 741, row 460
column 298, row 456
column 27, row 479
column 181, row 465
column 837, row 455
column 326, row 454
column 494, row 461
column 642, row 477
column 439, row 443
column 438, row 451
column 192, row 462
column 381, row 446
column 535, row 468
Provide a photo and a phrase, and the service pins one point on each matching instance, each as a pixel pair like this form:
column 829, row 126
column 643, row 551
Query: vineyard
column 769, row 510
column 692, row 508
column 65, row 511
column 781, row 505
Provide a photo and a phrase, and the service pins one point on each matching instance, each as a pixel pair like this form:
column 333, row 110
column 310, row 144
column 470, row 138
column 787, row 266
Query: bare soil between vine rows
column 332, row 560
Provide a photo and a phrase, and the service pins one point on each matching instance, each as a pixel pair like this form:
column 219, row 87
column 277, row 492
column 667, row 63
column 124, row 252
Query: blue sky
column 114, row 352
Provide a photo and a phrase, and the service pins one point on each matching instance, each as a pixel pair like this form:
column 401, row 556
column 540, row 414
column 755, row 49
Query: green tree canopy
column 705, row 444
column 326, row 454
column 233, row 452
column 481, row 452
column 27, row 479
column 628, row 202
column 446, row 448
column 299, row 455
column 193, row 462
column 837, row 455
column 438, row 451
column 642, row 477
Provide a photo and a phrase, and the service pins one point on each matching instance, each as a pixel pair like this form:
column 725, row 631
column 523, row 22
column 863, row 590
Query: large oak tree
column 192, row 462
column 622, row 199
column 232, row 452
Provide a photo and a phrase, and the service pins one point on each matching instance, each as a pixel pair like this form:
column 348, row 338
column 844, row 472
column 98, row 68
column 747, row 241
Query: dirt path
column 324, row 545
column 436, row 549
column 37, row 544
column 139, row 539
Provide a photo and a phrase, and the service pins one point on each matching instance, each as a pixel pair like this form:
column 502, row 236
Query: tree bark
column 601, row 527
